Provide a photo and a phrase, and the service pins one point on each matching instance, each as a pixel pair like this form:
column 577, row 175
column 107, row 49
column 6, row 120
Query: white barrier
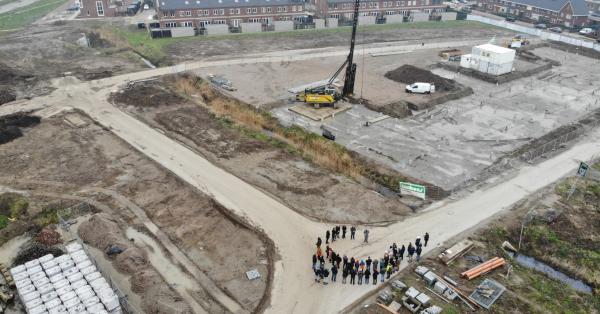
column 535, row 32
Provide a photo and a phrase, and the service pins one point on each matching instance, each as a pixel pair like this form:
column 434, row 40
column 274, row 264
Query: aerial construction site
column 434, row 165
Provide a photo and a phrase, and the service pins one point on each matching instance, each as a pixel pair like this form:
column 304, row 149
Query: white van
column 420, row 88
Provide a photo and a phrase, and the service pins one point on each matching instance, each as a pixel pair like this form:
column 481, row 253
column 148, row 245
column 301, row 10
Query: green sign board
column 583, row 168
column 417, row 190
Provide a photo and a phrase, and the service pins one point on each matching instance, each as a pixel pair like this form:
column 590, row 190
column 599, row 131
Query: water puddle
column 9, row 250
column 532, row 263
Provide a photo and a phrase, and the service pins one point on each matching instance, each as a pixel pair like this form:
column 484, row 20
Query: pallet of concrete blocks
column 421, row 270
column 88, row 270
column 56, row 278
column 17, row 270
column 99, row 284
column 430, row 278
column 84, row 264
column 434, row 309
column 409, row 300
column 55, row 305
column 62, row 258
column 45, row 258
column 79, row 256
column 79, row 283
column 109, row 299
column 49, row 264
column 26, row 290
column 37, row 310
column 47, row 288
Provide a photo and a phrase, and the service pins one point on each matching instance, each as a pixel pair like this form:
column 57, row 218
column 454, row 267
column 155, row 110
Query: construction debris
column 457, row 250
column 484, row 268
column 487, row 293
column 48, row 236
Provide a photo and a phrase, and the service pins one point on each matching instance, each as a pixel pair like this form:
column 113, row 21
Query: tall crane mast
column 351, row 66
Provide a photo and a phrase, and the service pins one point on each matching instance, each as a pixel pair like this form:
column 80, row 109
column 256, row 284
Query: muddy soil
column 7, row 95
column 101, row 231
column 299, row 183
column 74, row 159
column 30, row 57
column 241, row 45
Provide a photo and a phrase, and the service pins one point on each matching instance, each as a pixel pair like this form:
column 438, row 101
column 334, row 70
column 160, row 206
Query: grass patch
column 3, row 222
column 28, row 14
column 48, row 216
column 13, row 205
column 154, row 49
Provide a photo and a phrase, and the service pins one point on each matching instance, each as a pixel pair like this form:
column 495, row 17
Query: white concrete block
column 32, row 263
column 60, row 309
column 38, row 310
column 88, row 270
column 49, row 264
column 49, row 296
column 91, row 301
column 62, row 258
column 34, row 270
column 21, row 276
column 37, row 276
column 48, row 287
column 366, row 20
column 57, row 277
column 23, row 282
column 17, row 270
column 93, row 276
column 53, row 303
column 53, row 271
column 111, row 302
column 30, row 296
column 71, row 302
column 84, row 264
column 72, row 247
column 64, row 290
column 217, row 29
column 78, row 284
column 75, row 277
column 33, row 303
column 283, row 26
column 96, row 308
column 183, row 32
column 45, row 258
column 394, row 19
column 331, row 22
column 67, row 296
column 251, row 27
column 26, row 289
column 40, row 282
column 66, row 264
column 79, row 308
column 83, row 289
column 319, row 23
column 419, row 16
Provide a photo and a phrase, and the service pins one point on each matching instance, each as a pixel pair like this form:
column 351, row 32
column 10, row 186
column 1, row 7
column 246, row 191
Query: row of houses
column 199, row 13
column 569, row 13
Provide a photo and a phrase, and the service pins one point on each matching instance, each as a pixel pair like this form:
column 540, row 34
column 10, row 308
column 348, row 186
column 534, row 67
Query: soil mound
column 409, row 74
column 96, row 41
column 9, row 75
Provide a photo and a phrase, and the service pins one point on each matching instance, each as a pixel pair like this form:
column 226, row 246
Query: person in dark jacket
column 334, row 271
column 418, row 251
column 382, row 272
column 319, row 241
column 345, row 260
column 418, row 241
column 375, row 264
column 327, row 234
column 352, row 275
column 337, row 232
column 426, row 238
column 401, row 253
column 360, row 275
column 375, row 274
column 367, row 275
column 369, row 261
column 352, row 261
column 314, row 260
column 325, row 273
column 338, row 261
column 352, row 232
column 317, row 274
column 411, row 252
column 333, row 234
column 343, row 232
column 344, row 275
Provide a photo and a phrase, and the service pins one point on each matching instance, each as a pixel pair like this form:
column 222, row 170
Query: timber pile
column 483, row 268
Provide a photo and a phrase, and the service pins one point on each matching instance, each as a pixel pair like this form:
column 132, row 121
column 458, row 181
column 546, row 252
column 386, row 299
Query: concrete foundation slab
column 321, row 113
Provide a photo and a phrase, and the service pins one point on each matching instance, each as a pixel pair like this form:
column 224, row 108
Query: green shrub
column 3, row 222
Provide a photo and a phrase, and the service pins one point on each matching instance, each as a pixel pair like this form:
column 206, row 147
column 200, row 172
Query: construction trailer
column 489, row 59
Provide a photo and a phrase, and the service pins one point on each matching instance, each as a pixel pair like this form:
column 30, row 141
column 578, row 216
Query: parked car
column 511, row 18
column 540, row 26
column 556, row 29
column 586, row 31
column 146, row 7
column 420, row 88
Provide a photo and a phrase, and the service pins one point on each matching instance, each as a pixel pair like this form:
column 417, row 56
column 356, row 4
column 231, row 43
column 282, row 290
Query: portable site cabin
column 490, row 59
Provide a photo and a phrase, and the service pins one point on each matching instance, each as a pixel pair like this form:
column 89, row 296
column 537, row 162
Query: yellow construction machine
column 328, row 95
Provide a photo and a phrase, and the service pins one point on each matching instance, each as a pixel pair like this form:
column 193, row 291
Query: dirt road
column 293, row 289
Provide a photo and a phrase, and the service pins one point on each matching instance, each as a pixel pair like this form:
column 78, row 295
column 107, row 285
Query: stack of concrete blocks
column 366, row 20
column 251, row 27
column 430, row 278
column 448, row 16
column 217, row 29
column 421, row 270
column 394, row 19
column 283, row 26
column 419, row 16
column 332, row 22
column 319, row 23
column 69, row 283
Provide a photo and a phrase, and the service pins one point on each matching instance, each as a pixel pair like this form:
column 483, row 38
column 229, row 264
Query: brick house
column 344, row 9
column 198, row 13
column 97, row 8
column 570, row 13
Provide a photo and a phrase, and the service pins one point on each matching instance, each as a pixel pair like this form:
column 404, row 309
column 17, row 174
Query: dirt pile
column 409, row 74
column 48, row 237
column 36, row 250
column 9, row 75
column 146, row 95
column 96, row 41
column 10, row 126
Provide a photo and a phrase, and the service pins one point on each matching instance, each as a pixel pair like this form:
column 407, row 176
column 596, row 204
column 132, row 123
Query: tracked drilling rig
column 328, row 95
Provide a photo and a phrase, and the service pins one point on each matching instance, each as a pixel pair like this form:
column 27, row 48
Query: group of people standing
column 361, row 271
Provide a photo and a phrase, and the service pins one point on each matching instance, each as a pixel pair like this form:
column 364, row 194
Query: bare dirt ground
column 81, row 156
column 559, row 232
column 192, row 49
column 31, row 56
column 300, row 184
